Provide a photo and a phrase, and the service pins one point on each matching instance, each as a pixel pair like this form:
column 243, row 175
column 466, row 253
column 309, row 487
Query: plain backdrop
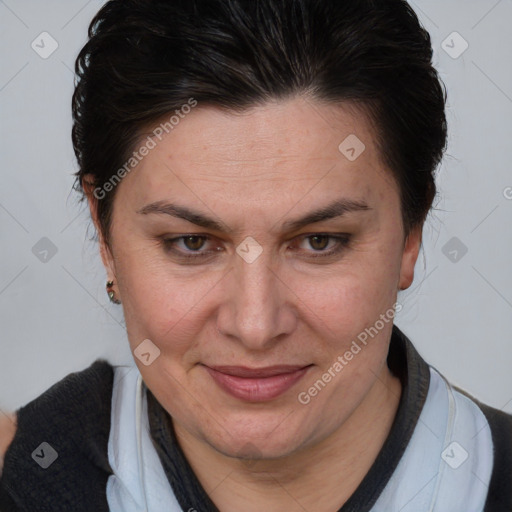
column 55, row 315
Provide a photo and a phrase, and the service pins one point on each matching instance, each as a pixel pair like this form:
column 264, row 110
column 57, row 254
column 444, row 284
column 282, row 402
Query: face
column 250, row 298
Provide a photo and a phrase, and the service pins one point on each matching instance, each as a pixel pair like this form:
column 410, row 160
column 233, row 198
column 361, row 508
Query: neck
column 320, row 477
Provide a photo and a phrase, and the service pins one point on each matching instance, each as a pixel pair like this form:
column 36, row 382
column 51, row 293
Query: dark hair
column 146, row 58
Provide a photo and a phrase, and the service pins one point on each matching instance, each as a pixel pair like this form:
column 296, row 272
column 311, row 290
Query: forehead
column 265, row 151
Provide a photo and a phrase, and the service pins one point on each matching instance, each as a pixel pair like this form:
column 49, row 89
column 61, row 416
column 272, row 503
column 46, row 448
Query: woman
column 219, row 142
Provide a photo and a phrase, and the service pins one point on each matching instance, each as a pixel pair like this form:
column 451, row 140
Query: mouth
column 256, row 384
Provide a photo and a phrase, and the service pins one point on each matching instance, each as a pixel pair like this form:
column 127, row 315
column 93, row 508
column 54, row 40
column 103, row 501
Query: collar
column 404, row 362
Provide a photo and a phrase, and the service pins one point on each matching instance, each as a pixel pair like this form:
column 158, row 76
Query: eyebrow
column 333, row 210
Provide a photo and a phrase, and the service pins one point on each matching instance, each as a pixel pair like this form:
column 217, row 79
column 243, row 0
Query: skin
column 7, row 432
column 252, row 172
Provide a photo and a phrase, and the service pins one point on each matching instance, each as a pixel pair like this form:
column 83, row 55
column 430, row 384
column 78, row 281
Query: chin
column 261, row 435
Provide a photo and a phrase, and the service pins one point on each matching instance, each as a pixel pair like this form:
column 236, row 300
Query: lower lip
column 257, row 389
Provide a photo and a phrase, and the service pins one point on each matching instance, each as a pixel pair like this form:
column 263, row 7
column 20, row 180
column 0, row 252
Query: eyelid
column 167, row 241
column 342, row 242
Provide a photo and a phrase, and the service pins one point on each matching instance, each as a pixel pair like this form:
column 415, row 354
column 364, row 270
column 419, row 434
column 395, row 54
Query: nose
column 258, row 309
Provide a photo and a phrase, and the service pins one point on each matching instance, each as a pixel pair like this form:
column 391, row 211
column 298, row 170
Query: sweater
column 98, row 440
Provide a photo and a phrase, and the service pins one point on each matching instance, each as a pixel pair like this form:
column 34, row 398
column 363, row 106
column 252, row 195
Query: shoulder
column 7, row 431
column 59, row 449
column 500, row 488
column 499, row 495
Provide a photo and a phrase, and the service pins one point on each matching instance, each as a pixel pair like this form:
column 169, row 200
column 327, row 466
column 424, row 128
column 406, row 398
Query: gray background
column 55, row 315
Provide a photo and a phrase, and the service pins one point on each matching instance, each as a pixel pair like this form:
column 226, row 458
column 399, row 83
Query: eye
column 193, row 242
column 190, row 247
column 189, row 243
column 321, row 241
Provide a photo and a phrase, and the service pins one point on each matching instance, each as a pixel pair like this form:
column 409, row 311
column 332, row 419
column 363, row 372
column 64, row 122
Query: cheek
column 172, row 305
column 348, row 301
column 160, row 303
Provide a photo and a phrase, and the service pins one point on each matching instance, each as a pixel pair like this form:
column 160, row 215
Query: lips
column 256, row 384
column 255, row 373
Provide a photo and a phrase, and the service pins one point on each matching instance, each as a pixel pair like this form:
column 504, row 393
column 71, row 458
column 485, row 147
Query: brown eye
column 324, row 244
column 194, row 243
column 319, row 242
column 188, row 247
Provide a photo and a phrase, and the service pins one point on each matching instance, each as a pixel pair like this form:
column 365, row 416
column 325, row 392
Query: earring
column 111, row 293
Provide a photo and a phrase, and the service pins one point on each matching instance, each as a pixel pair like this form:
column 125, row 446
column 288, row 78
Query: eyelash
column 342, row 242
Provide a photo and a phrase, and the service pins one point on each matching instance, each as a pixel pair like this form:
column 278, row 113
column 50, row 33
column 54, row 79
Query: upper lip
column 255, row 373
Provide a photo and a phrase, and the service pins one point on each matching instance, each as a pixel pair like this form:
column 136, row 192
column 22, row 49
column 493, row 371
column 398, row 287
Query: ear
column 105, row 252
column 410, row 255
